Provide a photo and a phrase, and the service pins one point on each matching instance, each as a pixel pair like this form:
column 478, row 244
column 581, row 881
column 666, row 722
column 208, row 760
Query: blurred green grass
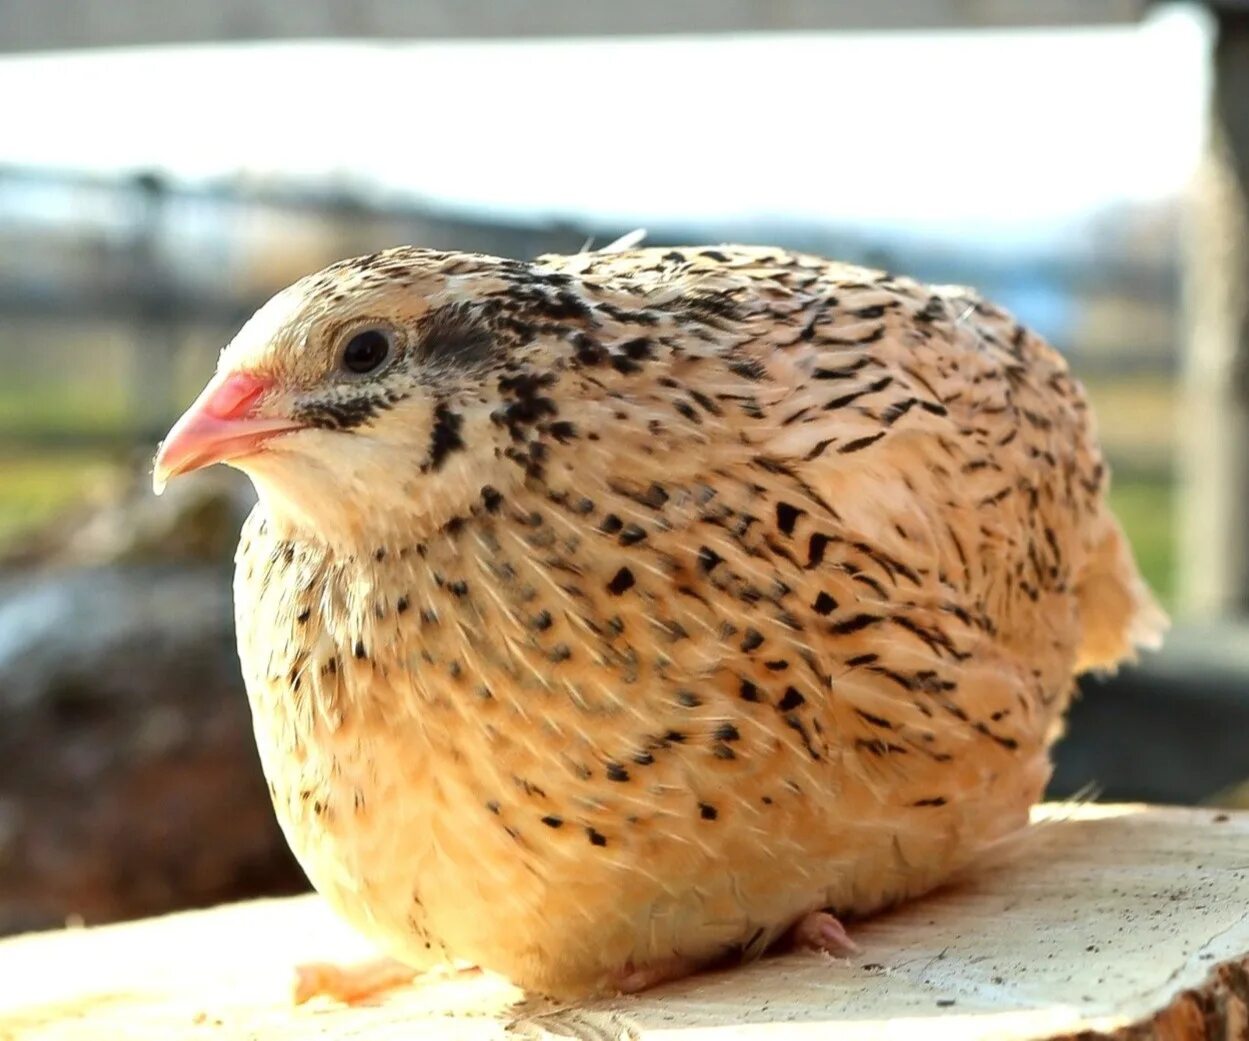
column 1145, row 505
column 36, row 485
column 68, row 409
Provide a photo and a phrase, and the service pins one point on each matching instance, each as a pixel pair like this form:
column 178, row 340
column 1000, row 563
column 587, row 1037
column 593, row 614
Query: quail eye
column 366, row 351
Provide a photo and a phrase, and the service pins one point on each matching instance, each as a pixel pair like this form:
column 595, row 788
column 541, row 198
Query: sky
column 978, row 133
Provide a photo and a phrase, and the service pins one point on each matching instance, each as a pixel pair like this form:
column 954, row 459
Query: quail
column 608, row 616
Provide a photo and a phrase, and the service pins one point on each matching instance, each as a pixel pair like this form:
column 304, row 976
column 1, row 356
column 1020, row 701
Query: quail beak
column 220, row 425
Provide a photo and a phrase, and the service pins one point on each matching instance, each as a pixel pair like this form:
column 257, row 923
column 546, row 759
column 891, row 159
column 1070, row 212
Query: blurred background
column 164, row 168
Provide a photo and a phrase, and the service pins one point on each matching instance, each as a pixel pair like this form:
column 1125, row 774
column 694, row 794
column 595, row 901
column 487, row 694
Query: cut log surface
column 1104, row 921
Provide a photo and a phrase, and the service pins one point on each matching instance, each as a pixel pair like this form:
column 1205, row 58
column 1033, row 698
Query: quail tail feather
column 1119, row 614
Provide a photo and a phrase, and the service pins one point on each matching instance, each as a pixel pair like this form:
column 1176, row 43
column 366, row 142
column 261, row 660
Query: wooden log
column 1103, row 922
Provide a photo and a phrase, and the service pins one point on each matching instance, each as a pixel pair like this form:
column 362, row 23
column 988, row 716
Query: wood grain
column 1105, row 921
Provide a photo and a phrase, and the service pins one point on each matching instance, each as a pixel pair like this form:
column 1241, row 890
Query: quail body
column 613, row 612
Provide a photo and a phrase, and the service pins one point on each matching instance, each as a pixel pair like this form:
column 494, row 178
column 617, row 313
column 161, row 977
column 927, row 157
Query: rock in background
column 129, row 783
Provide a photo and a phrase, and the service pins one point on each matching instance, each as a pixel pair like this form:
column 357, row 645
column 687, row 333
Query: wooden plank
column 1119, row 920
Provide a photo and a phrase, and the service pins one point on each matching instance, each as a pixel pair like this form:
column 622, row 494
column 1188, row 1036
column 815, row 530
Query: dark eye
column 366, row 351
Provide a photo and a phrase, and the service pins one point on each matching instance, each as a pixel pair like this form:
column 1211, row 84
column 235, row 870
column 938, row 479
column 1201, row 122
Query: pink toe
column 821, row 931
column 631, row 979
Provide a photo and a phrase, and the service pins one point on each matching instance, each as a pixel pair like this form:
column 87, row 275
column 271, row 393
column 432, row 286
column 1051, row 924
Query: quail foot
column 606, row 616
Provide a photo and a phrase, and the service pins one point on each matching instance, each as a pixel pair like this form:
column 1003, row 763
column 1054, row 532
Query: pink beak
column 221, row 424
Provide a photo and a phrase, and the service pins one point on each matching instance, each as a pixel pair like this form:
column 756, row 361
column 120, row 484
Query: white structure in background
column 40, row 25
column 1214, row 461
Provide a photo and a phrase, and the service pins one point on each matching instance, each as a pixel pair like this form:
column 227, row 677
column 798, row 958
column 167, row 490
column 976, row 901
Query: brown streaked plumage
column 635, row 606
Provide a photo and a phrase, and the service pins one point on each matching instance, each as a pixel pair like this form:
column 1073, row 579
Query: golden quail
column 608, row 615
